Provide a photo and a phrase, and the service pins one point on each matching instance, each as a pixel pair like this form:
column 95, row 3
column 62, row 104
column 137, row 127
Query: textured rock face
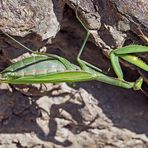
column 22, row 17
column 59, row 116
column 91, row 113
column 136, row 10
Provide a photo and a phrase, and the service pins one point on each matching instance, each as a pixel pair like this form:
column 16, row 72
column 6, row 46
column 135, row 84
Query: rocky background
column 88, row 114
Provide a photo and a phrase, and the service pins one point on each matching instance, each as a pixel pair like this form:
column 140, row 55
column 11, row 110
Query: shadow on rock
column 19, row 113
column 126, row 108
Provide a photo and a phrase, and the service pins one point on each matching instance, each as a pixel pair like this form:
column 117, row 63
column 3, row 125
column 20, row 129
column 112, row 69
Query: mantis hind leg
column 82, row 63
column 30, row 50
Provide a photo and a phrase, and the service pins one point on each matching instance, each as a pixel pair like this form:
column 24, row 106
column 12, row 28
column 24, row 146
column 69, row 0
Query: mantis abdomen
column 43, row 69
column 32, row 66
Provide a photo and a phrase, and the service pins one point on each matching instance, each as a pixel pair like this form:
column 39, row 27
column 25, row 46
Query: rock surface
column 89, row 114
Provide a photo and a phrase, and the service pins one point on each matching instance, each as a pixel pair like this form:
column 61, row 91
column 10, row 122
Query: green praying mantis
column 50, row 68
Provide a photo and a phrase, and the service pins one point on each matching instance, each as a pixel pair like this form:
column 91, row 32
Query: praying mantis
column 50, row 68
